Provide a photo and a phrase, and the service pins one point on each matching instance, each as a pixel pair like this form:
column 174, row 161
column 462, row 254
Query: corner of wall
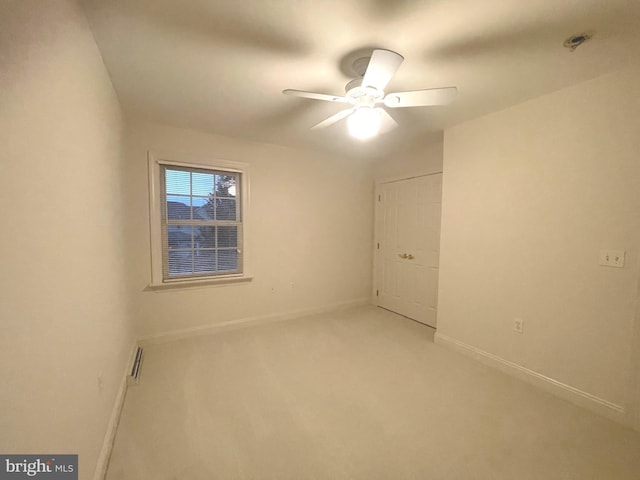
column 423, row 157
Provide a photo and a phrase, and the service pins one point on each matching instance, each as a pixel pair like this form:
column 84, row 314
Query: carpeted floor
column 359, row 394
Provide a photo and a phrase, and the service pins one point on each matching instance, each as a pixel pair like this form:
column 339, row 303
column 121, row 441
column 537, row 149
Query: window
column 197, row 225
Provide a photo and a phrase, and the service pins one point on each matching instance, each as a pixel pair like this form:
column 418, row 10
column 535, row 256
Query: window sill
column 205, row 282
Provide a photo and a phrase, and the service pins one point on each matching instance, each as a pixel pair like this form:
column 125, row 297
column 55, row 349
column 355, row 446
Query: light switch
column 612, row 258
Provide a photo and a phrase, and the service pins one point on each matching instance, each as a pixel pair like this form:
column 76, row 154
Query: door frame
column 633, row 402
column 376, row 220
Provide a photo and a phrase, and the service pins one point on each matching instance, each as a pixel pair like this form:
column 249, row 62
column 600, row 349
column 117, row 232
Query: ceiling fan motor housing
column 362, row 96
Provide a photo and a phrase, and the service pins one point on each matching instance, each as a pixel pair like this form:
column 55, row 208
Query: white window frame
column 155, row 221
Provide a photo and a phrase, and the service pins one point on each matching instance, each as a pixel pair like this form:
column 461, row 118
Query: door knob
column 409, row 256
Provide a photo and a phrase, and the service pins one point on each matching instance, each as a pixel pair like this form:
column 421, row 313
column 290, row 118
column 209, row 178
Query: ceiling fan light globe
column 364, row 123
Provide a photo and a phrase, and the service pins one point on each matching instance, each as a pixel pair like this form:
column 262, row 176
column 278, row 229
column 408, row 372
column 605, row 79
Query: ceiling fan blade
column 421, row 98
column 382, row 66
column 333, row 119
column 387, row 122
column 316, row 96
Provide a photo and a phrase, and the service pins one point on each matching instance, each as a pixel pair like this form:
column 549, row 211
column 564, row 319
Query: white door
column 407, row 246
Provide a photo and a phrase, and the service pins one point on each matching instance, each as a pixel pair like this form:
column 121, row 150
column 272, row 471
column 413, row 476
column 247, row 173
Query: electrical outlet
column 518, row 325
column 612, row 258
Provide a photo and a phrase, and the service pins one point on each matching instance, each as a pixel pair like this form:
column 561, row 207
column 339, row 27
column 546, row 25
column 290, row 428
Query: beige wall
column 531, row 195
column 310, row 240
column 422, row 158
column 64, row 317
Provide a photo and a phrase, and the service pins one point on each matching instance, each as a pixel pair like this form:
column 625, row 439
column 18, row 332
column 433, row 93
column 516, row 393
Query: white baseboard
column 246, row 322
column 574, row 395
column 112, row 426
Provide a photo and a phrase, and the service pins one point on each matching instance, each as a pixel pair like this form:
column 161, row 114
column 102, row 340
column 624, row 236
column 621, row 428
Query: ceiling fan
column 366, row 116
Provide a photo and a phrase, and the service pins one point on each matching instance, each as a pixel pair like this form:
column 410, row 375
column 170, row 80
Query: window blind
column 201, row 222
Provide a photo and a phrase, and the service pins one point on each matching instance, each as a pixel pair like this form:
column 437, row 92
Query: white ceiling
column 220, row 65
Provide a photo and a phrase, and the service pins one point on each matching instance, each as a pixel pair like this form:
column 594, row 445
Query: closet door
column 407, row 246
